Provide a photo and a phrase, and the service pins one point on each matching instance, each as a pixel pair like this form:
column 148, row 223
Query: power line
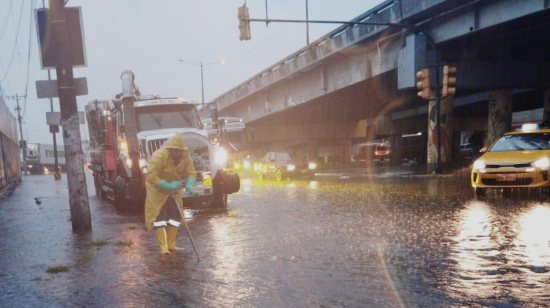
column 16, row 37
column 6, row 21
column 16, row 41
column 33, row 4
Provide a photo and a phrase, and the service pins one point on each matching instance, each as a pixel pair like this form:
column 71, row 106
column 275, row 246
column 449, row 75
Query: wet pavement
column 371, row 242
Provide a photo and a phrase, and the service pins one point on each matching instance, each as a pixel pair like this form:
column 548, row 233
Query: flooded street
column 399, row 242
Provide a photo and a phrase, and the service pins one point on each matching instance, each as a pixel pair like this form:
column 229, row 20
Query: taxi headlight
column 221, row 156
column 542, row 163
column 236, row 165
column 312, row 166
column 478, row 165
column 290, row 167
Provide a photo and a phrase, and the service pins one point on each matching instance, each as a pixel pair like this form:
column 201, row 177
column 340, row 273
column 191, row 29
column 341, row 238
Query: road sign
column 48, row 88
column 76, row 34
column 54, row 128
column 54, row 118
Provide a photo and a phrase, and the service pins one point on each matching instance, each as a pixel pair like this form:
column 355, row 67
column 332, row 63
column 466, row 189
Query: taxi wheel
column 278, row 175
column 479, row 191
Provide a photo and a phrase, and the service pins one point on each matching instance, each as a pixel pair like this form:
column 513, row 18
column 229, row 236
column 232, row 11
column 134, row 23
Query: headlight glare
column 542, row 163
column 221, row 156
column 290, row 167
column 478, row 165
column 312, row 166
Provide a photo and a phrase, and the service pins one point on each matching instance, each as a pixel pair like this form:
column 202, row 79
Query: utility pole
column 76, row 178
column 202, row 85
column 22, row 143
column 56, row 172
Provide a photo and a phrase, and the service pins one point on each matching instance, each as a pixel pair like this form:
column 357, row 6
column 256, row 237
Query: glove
column 170, row 185
column 190, row 185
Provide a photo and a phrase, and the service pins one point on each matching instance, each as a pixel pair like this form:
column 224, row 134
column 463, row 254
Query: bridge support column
column 546, row 105
column 500, row 114
column 313, row 150
column 346, row 150
column 446, row 132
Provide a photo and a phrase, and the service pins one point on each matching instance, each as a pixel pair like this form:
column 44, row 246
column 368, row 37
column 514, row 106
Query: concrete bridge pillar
column 446, row 131
column 346, row 150
column 500, row 114
column 546, row 105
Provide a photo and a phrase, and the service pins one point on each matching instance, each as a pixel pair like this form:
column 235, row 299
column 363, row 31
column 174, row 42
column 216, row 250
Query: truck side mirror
column 214, row 114
column 221, row 129
column 250, row 134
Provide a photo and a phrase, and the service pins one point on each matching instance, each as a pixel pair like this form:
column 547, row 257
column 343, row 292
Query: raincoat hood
column 176, row 142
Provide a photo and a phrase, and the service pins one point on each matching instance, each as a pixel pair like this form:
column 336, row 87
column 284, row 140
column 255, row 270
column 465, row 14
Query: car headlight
column 221, row 156
column 542, row 163
column 478, row 165
column 312, row 166
column 236, row 165
column 142, row 162
column 246, row 164
column 290, row 167
column 30, row 166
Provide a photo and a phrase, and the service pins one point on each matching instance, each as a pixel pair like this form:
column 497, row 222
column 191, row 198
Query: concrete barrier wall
column 10, row 170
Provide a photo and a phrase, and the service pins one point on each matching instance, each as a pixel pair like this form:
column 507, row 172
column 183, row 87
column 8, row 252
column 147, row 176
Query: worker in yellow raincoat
column 166, row 168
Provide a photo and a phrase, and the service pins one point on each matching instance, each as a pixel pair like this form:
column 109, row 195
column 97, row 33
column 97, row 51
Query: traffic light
column 244, row 24
column 423, row 83
column 449, row 80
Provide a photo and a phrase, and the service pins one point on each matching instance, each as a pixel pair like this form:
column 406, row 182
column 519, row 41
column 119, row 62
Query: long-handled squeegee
column 180, row 206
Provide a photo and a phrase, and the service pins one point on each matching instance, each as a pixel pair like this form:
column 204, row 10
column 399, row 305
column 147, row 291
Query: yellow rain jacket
column 162, row 167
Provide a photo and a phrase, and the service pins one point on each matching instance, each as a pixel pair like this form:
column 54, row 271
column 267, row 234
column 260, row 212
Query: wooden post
column 76, row 178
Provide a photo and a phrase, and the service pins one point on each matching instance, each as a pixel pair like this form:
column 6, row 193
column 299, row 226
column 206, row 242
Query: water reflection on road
column 356, row 243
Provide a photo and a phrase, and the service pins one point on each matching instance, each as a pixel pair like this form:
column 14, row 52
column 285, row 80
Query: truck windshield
column 167, row 116
column 238, row 140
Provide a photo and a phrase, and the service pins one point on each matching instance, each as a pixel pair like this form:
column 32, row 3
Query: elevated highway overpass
column 357, row 83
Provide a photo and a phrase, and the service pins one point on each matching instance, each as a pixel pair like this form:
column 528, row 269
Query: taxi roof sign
column 530, row 127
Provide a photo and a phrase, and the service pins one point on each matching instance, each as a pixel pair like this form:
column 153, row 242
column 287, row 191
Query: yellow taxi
column 517, row 159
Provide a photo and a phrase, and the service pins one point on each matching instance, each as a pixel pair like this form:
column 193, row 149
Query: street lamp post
column 221, row 61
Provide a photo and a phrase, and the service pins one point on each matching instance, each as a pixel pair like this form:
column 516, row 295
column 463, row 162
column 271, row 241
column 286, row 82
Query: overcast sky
column 148, row 37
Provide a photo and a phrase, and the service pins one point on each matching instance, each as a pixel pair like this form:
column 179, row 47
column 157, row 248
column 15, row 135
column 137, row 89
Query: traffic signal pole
column 244, row 27
column 76, row 178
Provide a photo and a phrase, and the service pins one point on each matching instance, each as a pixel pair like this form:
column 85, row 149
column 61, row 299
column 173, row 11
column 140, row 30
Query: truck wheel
column 121, row 194
column 278, row 174
column 220, row 200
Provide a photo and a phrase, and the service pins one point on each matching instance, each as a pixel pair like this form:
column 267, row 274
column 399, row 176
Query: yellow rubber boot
column 171, row 233
column 161, row 237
